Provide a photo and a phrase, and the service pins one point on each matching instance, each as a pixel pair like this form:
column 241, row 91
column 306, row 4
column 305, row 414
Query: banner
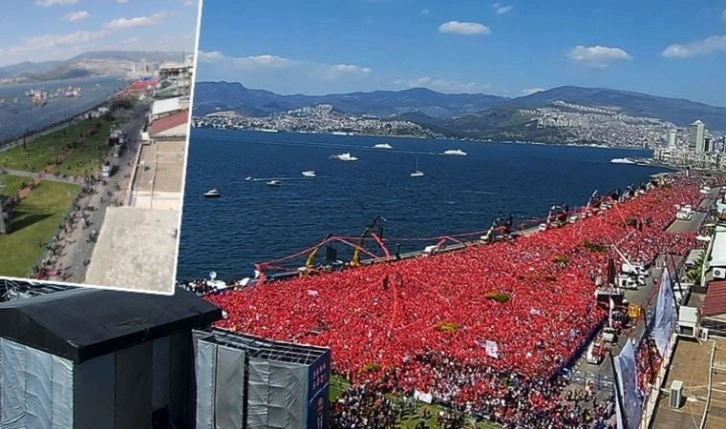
column 423, row 397
column 664, row 317
column 318, row 386
column 632, row 402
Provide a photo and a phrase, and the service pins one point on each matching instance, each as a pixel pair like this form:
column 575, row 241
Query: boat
column 455, row 152
column 309, row 173
column 622, row 161
column 345, row 157
column 249, row 178
column 273, row 182
column 212, row 193
column 417, row 172
column 382, row 146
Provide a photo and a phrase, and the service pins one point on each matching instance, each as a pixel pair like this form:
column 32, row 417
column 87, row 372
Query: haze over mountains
column 463, row 111
column 78, row 66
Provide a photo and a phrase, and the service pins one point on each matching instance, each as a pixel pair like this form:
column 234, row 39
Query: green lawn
column 338, row 385
column 32, row 223
column 10, row 185
column 45, row 149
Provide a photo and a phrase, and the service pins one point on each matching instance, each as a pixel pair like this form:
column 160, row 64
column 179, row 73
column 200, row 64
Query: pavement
column 78, row 245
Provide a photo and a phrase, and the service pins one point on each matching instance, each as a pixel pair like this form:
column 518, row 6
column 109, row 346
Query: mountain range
column 74, row 67
column 460, row 114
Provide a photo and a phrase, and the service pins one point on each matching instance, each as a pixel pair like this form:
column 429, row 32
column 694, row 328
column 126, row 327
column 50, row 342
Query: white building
column 671, row 139
column 697, row 136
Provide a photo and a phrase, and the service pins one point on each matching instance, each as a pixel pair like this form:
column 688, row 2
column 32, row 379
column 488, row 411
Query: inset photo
column 94, row 117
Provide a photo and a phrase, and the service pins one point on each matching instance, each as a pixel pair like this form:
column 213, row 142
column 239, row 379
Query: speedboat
column 345, row 157
column 382, row 146
column 455, row 152
column 273, row 182
column 249, row 178
column 309, row 173
column 212, row 193
column 622, row 161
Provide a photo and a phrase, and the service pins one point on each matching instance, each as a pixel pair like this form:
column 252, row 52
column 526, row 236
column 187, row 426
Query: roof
column 82, row 324
column 167, row 105
column 169, row 122
column 267, row 349
column 119, row 261
column 715, row 302
column 717, row 258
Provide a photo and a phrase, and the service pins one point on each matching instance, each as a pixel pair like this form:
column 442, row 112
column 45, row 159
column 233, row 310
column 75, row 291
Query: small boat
column 212, row 193
column 382, row 146
column 417, row 173
column 309, row 173
column 622, row 161
column 455, row 152
column 345, row 157
column 249, row 178
column 273, row 182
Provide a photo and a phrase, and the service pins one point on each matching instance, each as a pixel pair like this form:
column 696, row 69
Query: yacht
column 309, row 173
column 345, row 157
column 212, row 193
column 455, row 152
column 273, row 182
column 622, row 161
column 417, row 172
column 382, row 146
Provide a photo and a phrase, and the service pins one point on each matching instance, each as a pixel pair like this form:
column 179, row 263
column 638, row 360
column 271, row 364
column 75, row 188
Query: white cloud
column 339, row 71
column 464, row 28
column 425, row 11
column 597, row 56
column 443, row 85
column 139, row 21
column 706, row 46
column 267, row 63
column 530, row 91
column 502, row 9
column 49, row 3
column 273, row 71
column 76, row 16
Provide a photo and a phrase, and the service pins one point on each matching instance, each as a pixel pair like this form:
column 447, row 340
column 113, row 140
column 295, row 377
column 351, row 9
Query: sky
column 672, row 48
column 41, row 30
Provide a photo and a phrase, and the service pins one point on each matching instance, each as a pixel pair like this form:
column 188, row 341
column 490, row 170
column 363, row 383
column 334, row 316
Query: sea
column 252, row 222
column 18, row 114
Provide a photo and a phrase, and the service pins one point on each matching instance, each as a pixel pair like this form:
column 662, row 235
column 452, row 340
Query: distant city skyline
column 510, row 48
column 44, row 30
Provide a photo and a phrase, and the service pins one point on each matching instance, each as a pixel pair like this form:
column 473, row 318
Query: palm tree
column 694, row 273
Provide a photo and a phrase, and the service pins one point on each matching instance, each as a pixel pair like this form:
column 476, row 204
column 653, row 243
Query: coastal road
column 78, row 246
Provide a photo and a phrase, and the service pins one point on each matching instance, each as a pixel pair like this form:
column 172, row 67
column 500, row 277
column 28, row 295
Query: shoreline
column 57, row 126
column 532, row 143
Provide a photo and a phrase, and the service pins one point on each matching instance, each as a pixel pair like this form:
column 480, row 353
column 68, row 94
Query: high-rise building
column 671, row 139
column 697, row 136
column 708, row 144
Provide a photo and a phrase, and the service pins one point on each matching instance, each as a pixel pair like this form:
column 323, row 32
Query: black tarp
column 81, row 324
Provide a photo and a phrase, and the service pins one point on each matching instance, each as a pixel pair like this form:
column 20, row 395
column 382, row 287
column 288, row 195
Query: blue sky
column 673, row 48
column 39, row 30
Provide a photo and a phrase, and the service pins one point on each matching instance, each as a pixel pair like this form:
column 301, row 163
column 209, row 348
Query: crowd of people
column 487, row 328
column 648, row 361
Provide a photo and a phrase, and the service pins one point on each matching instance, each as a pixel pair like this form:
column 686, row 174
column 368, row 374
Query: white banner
column 423, row 397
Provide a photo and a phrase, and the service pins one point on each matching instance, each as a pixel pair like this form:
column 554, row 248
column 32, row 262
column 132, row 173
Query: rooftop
column 267, row 349
column 80, row 324
column 715, row 302
column 169, row 122
column 136, row 250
